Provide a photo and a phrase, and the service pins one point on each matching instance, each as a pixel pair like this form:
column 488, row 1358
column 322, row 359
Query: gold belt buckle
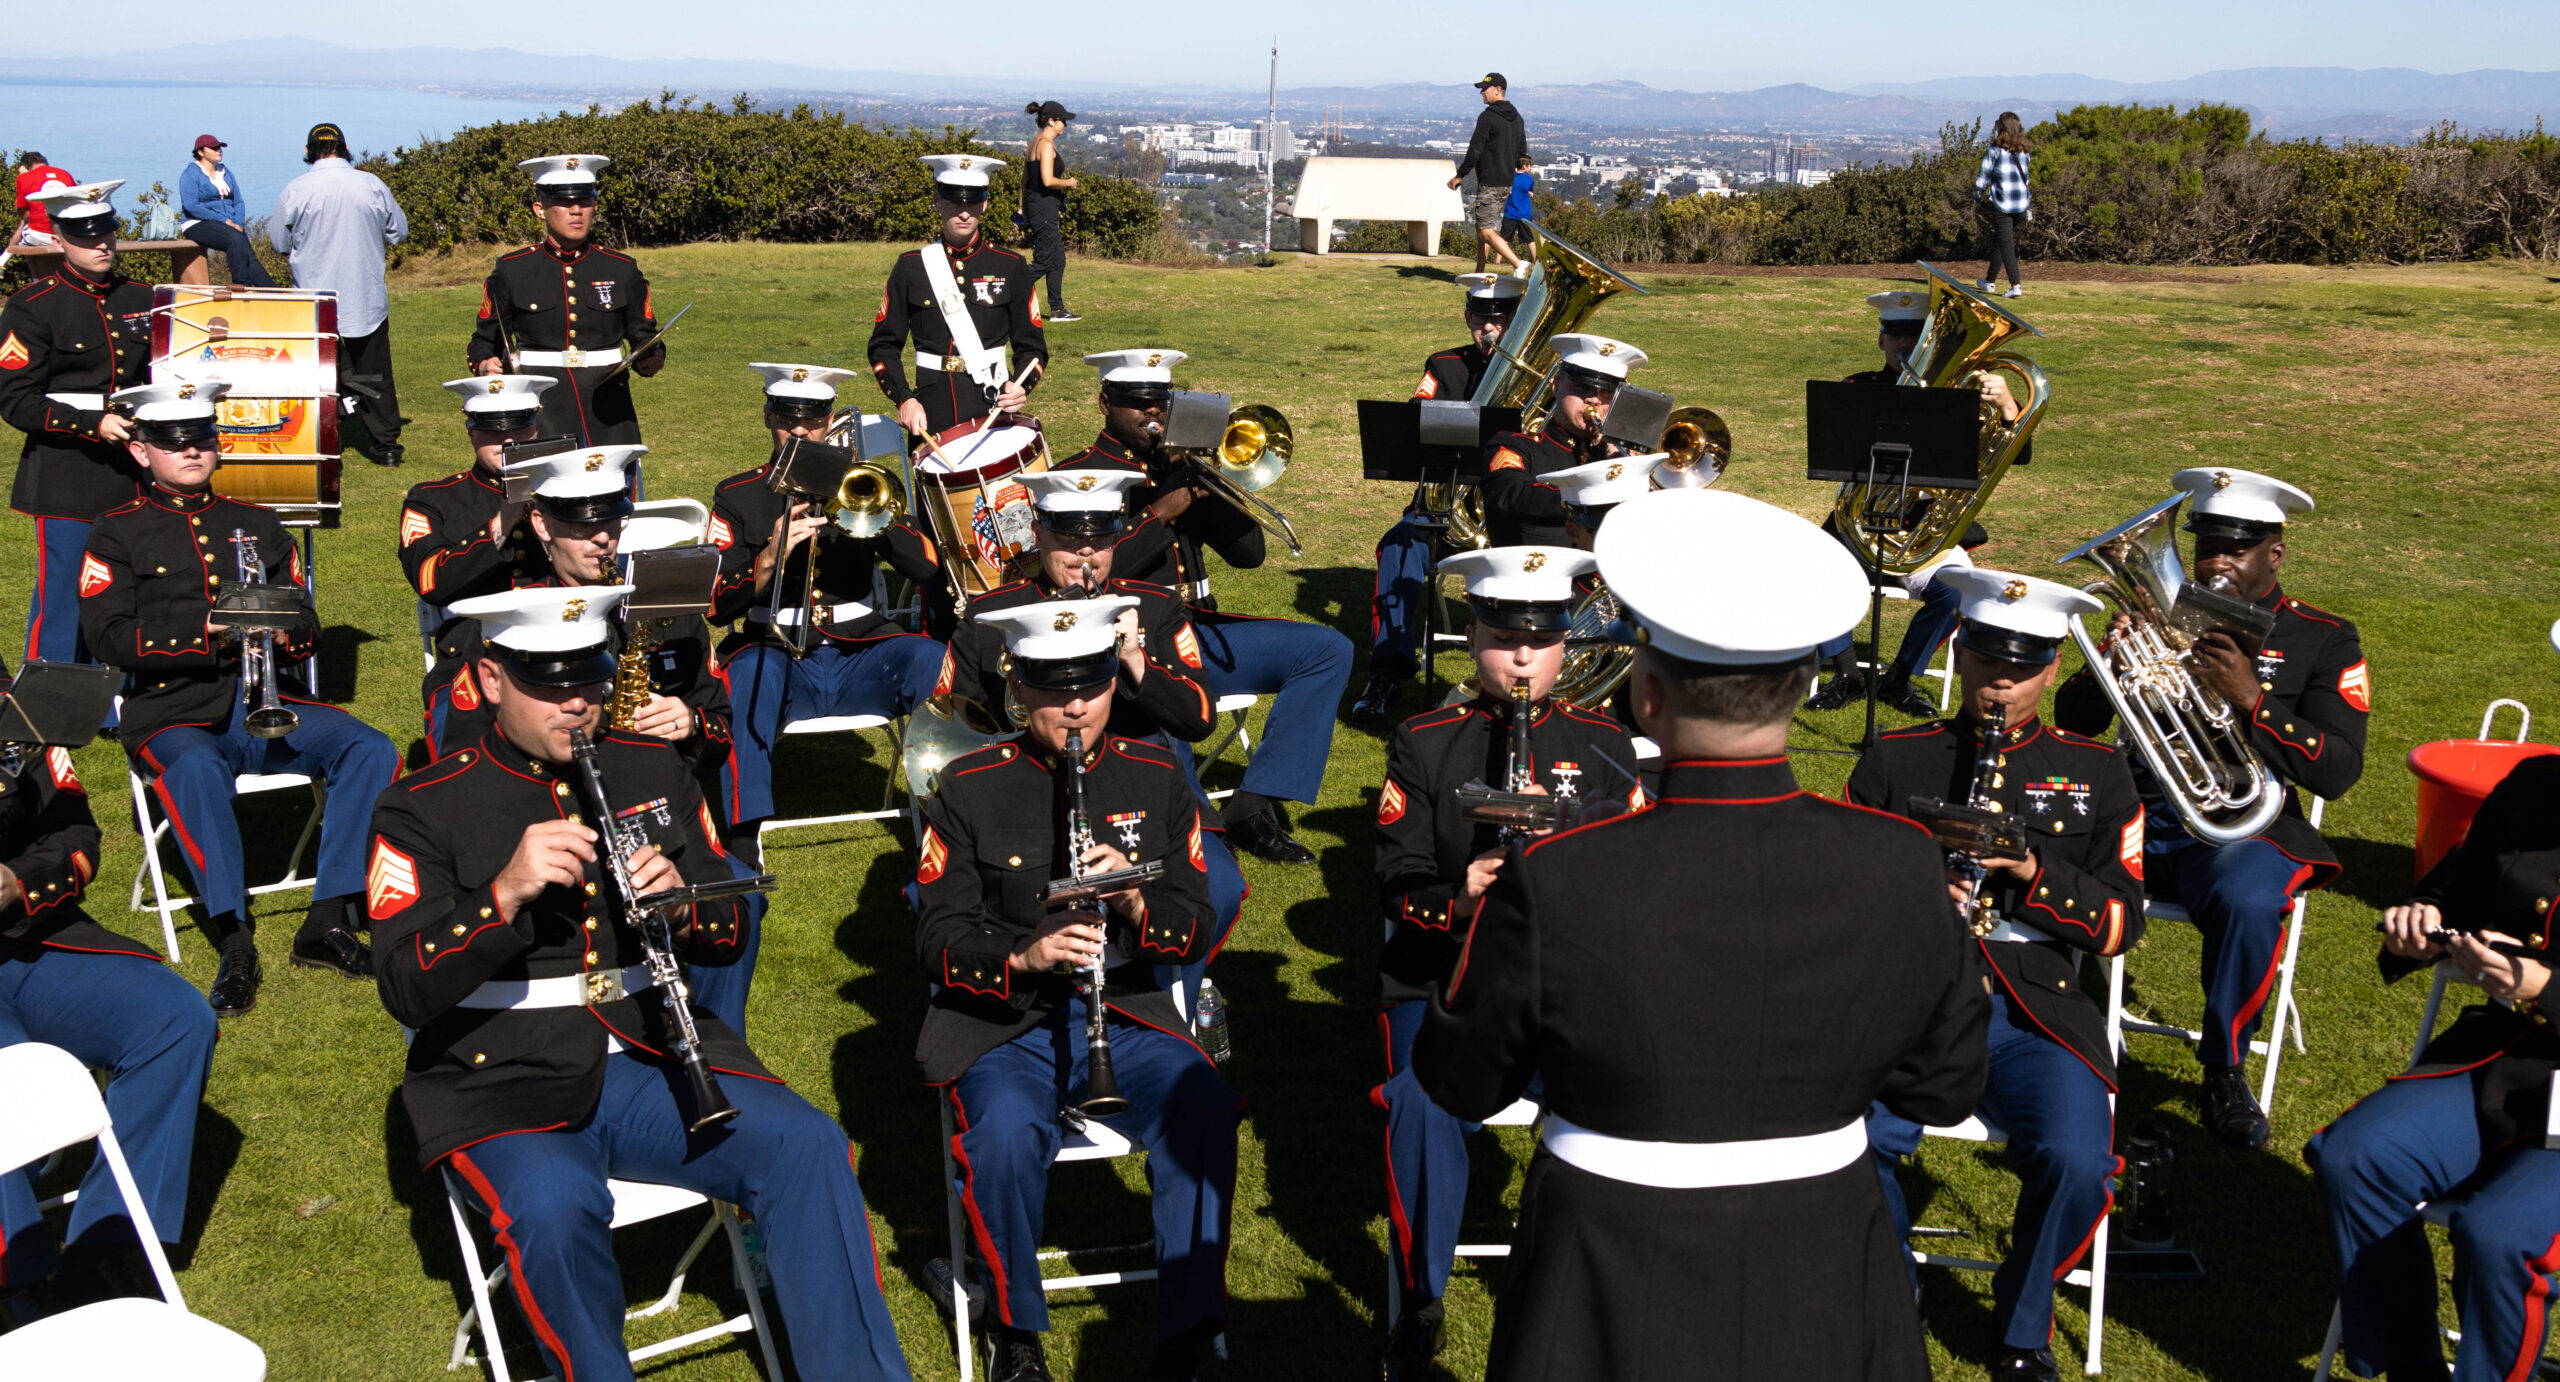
column 576, row 356
column 954, row 364
column 603, row 986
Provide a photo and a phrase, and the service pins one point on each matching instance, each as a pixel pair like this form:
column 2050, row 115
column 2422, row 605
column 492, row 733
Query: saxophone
column 631, row 687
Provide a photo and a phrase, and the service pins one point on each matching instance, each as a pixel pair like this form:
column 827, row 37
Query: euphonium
column 631, row 688
column 1960, row 342
column 2195, row 744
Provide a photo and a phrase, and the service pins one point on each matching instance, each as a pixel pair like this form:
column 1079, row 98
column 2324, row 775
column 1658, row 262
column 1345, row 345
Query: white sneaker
column 2016, row 290
column 1986, row 285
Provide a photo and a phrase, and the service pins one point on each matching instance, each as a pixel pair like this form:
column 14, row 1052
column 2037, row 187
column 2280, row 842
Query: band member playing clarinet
column 1305, row 664
column 2074, row 889
column 545, row 1061
column 962, row 299
column 2305, row 694
column 1010, row 1031
column 1694, row 1211
column 570, row 310
column 1520, row 506
column 193, row 720
column 1434, row 865
column 808, row 648
column 1407, row 551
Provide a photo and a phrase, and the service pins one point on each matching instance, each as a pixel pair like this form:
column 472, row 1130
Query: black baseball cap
column 324, row 133
column 1494, row 79
column 1051, row 110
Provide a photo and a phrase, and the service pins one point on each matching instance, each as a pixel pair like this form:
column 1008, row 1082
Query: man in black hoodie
column 1493, row 151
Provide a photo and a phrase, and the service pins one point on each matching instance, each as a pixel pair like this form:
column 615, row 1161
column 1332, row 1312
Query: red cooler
column 2454, row 777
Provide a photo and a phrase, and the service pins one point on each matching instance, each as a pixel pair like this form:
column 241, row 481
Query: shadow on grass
column 2379, row 873
column 341, row 648
column 1433, row 272
column 217, row 1150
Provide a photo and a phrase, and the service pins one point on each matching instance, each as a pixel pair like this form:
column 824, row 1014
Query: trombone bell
column 1698, row 446
column 1255, row 451
column 866, row 501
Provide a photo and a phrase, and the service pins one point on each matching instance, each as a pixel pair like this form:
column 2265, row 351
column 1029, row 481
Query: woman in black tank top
column 1044, row 195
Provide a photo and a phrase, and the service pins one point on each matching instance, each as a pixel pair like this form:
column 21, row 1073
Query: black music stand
column 1429, row 441
column 57, row 704
column 1889, row 438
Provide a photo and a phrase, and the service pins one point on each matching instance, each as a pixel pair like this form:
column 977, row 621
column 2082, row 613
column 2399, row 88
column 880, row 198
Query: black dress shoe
column 1377, row 703
column 1178, row 1358
column 2025, row 1365
column 1263, row 833
column 1899, row 694
column 235, row 984
column 1837, row 692
column 336, row 948
column 2232, row 1111
column 1015, row 1355
column 1414, row 1342
column 388, row 454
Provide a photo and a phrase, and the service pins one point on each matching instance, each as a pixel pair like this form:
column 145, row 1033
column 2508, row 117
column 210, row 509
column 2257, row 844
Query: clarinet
column 1102, row 1091
column 1989, row 756
column 657, row 942
column 1522, row 773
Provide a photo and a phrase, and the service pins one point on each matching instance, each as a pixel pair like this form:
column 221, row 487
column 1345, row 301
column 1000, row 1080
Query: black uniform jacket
column 49, row 840
column 994, row 837
column 679, row 666
column 743, row 515
column 2314, row 695
column 1452, row 375
column 146, row 587
column 2503, row 877
column 2078, row 802
column 441, row 836
column 589, row 298
column 1518, row 507
column 65, row 334
column 445, row 549
column 1161, row 553
column 1424, row 845
column 998, row 282
column 1174, row 699
column 1659, row 969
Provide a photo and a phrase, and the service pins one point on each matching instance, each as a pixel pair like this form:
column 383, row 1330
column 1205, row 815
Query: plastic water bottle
column 757, row 1270
column 1210, row 1025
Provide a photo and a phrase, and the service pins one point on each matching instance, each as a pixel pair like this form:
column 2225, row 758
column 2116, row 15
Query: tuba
column 2195, row 743
column 1899, row 528
column 942, row 728
column 1595, row 664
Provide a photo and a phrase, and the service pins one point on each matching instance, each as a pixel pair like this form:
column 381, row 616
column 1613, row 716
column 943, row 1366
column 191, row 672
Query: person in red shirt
column 35, row 175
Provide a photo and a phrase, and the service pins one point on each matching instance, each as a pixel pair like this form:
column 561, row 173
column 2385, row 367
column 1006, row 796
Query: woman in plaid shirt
column 2001, row 188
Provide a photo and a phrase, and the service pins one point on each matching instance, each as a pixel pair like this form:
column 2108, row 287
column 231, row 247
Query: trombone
column 1250, row 457
column 865, row 500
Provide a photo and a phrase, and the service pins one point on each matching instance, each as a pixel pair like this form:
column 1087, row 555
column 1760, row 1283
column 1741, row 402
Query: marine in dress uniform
column 856, row 661
column 962, row 300
column 568, row 309
column 2306, row 694
column 1004, row 1036
column 2077, row 891
column 1160, row 695
column 458, row 536
column 2468, row 1118
column 1702, row 1204
column 147, row 587
column 108, row 1000
column 1407, row 551
column 67, row 341
column 1433, row 866
column 541, row 1065
column 1900, row 316
column 1520, row 506
column 1303, row 666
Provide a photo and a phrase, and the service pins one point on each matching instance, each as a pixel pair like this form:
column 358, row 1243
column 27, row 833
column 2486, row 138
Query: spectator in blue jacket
column 210, row 200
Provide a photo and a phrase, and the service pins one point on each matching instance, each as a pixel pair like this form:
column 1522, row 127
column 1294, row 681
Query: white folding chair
column 53, row 1103
column 2287, row 1016
column 1523, row 1113
column 153, row 829
column 633, row 1203
column 1237, row 735
column 848, row 724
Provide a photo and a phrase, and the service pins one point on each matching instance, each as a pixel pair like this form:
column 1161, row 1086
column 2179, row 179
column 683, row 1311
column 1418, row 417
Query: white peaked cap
column 1714, row 577
column 1144, row 365
column 1057, row 630
column 1597, row 484
column 500, row 393
column 172, row 402
column 544, row 619
column 1598, row 354
column 1081, row 491
column 803, row 381
column 2020, row 604
column 2241, row 495
column 1520, row 575
column 578, row 474
column 565, row 170
column 961, row 170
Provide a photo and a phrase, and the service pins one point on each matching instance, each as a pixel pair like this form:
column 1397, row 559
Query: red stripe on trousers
column 977, row 1220
column 499, row 1223
column 1397, row 1219
column 2275, row 962
column 2536, row 1298
column 169, row 807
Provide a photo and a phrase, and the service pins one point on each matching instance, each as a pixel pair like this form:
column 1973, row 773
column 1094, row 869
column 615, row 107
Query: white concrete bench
column 1415, row 191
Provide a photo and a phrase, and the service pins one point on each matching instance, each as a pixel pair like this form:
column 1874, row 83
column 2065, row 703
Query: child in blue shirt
column 1517, row 213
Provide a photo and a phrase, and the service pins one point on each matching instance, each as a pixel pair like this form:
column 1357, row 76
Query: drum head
column 981, row 456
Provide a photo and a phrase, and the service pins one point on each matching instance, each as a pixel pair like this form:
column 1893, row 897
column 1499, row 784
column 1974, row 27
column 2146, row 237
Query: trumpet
column 268, row 717
column 1251, row 457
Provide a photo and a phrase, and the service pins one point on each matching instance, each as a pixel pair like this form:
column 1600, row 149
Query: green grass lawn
column 2414, row 404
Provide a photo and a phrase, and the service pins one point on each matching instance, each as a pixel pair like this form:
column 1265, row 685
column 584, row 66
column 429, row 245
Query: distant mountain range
column 2334, row 102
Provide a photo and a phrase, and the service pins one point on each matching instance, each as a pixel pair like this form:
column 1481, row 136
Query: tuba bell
column 2194, row 742
column 1899, row 528
column 942, row 728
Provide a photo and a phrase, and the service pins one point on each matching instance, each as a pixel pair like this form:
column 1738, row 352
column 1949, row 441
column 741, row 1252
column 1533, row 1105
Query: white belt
column 566, row 991
column 2010, row 931
column 570, row 359
column 1193, row 590
column 954, row 363
column 1698, row 1165
column 841, row 612
column 83, row 402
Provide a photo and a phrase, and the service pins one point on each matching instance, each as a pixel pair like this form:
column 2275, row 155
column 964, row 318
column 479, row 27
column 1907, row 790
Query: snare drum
column 977, row 512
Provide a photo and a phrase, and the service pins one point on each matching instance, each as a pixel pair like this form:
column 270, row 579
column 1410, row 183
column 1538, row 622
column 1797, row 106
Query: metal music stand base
column 1875, row 622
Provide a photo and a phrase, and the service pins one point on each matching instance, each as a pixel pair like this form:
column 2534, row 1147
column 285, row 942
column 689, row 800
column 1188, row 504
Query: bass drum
column 977, row 512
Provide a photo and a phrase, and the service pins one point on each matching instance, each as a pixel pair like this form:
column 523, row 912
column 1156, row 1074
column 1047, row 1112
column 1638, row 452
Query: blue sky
column 1684, row 43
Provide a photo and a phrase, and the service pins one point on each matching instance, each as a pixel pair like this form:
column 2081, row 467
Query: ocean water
column 142, row 130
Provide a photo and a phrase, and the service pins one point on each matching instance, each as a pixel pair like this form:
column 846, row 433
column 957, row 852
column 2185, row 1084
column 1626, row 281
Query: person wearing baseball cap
column 963, row 300
column 217, row 213
column 573, row 310
column 2074, row 890
column 335, row 223
column 1493, row 154
column 2303, row 695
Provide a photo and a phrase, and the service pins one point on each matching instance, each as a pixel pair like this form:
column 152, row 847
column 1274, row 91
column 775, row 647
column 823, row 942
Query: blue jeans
column 767, row 686
column 235, row 249
column 781, row 1160
column 191, row 770
column 2412, row 1141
